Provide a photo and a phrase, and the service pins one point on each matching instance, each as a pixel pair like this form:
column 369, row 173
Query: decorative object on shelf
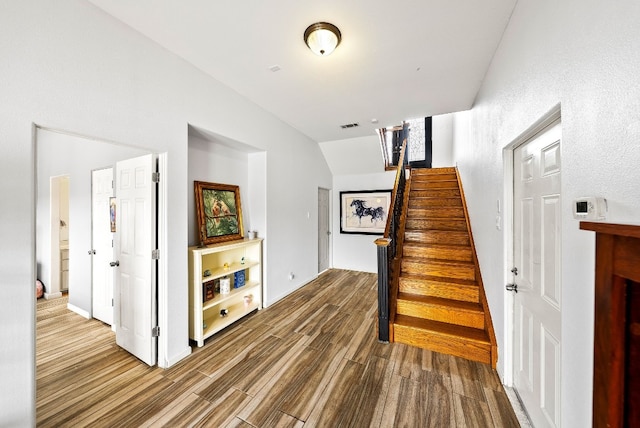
column 242, row 261
column 224, row 312
column 206, row 273
column 364, row 212
column 251, row 234
column 208, row 291
column 238, row 279
column 226, row 266
column 219, row 212
column 247, row 300
column 225, row 285
column 204, row 325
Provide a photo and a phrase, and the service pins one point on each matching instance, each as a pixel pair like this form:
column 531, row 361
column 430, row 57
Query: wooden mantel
column 616, row 371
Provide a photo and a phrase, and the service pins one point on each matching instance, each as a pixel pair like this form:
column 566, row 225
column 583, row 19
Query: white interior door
column 537, row 257
column 324, row 234
column 102, row 245
column 135, row 238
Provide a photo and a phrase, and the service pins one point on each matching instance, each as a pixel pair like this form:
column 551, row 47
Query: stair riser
column 438, row 184
column 434, row 177
column 435, row 213
column 415, row 223
column 445, row 344
column 437, row 237
column 435, row 193
column 464, row 293
column 434, row 202
column 458, row 254
column 441, row 313
column 439, row 270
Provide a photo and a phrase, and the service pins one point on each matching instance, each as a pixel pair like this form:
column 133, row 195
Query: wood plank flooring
column 310, row 360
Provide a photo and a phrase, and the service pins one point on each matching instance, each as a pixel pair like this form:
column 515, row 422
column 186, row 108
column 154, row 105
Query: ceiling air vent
column 349, row 125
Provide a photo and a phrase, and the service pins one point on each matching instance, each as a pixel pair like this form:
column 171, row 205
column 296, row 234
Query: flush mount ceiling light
column 322, row 38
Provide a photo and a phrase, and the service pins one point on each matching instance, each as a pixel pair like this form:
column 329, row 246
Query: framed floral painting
column 219, row 212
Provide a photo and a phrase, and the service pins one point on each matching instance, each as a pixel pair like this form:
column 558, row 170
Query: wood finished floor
column 310, row 360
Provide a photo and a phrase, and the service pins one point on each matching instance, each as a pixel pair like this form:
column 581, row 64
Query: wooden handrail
column 387, row 248
column 394, row 194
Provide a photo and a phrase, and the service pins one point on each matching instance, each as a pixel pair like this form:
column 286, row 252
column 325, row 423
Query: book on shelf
column 208, row 291
column 238, row 279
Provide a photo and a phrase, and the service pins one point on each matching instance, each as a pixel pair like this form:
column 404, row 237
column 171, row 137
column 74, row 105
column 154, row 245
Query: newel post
column 383, row 288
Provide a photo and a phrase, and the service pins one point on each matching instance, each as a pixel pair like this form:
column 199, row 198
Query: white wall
column 442, row 139
column 70, row 66
column 584, row 55
column 76, row 157
column 350, row 251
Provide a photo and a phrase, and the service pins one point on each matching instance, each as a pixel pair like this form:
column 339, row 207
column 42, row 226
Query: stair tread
column 441, row 279
column 440, row 301
column 467, row 333
column 442, row 262
column 439, row 170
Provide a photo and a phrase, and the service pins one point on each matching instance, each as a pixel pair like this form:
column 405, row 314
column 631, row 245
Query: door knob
column 512, row 287
column 114, row 264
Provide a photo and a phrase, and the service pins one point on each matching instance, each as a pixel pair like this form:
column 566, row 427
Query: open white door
column 135, row 286
column 102, row 245
column 537, row 258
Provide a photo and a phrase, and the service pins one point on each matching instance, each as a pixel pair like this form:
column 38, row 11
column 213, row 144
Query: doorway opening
column 324, row 230
column 52, row 160
column 58, row 280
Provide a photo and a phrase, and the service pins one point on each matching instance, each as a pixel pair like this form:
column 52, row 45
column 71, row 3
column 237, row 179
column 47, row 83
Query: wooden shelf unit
column 205, row 317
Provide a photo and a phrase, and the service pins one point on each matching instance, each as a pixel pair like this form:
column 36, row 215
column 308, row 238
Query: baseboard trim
column 176, row 358
column 283, row 295
column 49, row 296
column 79, row 311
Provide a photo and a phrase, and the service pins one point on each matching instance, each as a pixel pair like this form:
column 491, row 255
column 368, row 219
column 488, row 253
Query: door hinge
column 155, row 177
column 111, row 302
column 155, row 254
column 155, row 331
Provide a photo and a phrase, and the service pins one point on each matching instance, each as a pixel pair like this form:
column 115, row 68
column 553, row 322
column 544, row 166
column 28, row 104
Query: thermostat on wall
column 590, row 208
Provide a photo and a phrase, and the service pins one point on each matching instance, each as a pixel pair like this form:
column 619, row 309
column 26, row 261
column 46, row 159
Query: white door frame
column 507, row 161
column 162, row 275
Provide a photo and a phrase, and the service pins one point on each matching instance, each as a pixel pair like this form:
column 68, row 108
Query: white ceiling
column 398, row 59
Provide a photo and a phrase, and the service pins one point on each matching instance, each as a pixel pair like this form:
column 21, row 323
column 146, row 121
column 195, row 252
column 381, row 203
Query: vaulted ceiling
column 397, row 60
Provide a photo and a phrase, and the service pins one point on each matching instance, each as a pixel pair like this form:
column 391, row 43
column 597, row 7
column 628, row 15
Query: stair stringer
column 483, row 297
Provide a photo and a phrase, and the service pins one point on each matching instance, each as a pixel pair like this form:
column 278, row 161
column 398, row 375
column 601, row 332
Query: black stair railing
column 387, row 246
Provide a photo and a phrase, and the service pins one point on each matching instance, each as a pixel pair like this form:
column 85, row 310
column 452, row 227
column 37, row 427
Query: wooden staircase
column 440, row 302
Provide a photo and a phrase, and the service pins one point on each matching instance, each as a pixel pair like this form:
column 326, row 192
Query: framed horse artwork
column 364, row 212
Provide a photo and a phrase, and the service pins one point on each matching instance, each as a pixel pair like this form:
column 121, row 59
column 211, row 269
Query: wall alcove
column 219, row 159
